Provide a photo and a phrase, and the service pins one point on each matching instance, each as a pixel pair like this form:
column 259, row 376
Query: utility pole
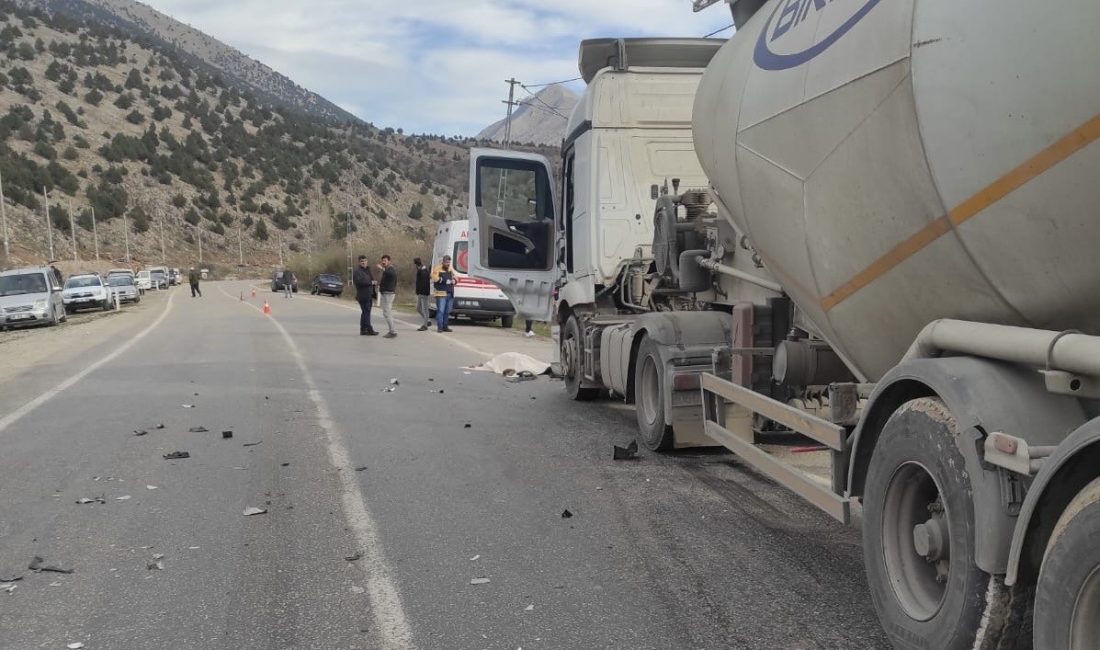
column 72, row 231
column 198, row 234
column 4, row 222
column 512, row 83
column 347, row 238
column 95, row 234
column 126, row 235
column 160, row 218
column 49, row 226
column 240, row 247
column 280, row 235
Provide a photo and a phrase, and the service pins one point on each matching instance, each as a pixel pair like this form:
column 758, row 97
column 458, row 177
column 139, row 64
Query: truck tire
column 506, row 322
column 1067, row 597
column 571, row 342
column 918, row 540
column 649, row 400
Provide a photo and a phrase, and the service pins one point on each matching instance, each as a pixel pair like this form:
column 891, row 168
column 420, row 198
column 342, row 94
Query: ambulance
column 476, row 299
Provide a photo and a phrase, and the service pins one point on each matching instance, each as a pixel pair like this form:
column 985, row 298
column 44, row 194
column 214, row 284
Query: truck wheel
column 918, row 538
column 506, row 322
column 1067, row 597
column 571, row 342
column 649, row 400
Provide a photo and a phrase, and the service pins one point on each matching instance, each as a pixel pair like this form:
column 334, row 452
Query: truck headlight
column 40, row 303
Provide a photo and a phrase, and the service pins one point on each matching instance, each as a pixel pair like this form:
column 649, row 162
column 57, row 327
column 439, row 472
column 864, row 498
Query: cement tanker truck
column 872, row 223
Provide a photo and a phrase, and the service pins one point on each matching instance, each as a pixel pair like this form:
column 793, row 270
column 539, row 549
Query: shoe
column 390, row 335
column 363, row 332
column 422, row 328
column 528, row 334
column 447, row 329
column 372, row 333
column 439, row 331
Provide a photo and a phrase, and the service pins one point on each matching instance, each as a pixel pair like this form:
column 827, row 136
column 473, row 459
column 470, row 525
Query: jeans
column 387, row 309
column 364, row 318
column 424, row 308
column 287, row 290
column 195, row 290
column 443, row 306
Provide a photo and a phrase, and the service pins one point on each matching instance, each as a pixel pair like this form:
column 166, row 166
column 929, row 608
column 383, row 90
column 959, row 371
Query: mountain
column 540, row 119
column 199, row 51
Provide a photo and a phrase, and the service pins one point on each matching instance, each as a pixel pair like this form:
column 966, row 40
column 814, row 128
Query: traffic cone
column 267, row 309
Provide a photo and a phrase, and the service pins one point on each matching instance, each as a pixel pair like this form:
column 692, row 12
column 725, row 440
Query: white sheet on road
column 514, row 361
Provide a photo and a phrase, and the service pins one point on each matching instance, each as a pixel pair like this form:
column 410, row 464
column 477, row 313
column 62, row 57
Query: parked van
column 475, row 299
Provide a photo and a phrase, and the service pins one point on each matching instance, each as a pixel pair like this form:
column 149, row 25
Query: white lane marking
column 51, row 393
column 453, row 341
column 385, row 600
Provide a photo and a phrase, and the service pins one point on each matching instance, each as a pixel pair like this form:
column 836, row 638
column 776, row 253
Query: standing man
column 288, row 283
column 193, row 280
column 387, row 286
column 57, row 273
column 365, row 286
column 443, row 282
column 423, row 294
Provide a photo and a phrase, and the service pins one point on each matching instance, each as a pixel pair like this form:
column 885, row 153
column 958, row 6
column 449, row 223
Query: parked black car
column 326, row 283
column 278, row 285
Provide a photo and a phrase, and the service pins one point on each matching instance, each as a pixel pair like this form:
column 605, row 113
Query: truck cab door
column 512, row 237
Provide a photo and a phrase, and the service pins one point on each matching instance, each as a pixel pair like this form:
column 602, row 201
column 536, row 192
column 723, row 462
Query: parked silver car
column 86, row 291
column 30, row 297
column 123, row 288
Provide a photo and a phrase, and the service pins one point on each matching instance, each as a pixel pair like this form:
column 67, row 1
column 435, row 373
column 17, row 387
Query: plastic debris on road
column 125, row 497
column 140, row 432
column 150, row 487
column 159, row 426
column 85, row 501
column 475, row 558
column 252, row 444
column 391, row 389
column 394, row 382
column 198, row 429
column 479, row 581
column 8, row 587
column 75, row 646
column 249, row 512
column 529, row 608
column 155, row 566
column 227, row 434
column 361, row 469
column 38, row 565
column 629, row 452
column 188, row 406
column 176, row 455
column 357, row 590
column 354, row 558
column 565, row 514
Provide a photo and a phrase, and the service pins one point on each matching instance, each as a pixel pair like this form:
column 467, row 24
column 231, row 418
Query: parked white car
column 86, row 291
column 30, row 297
column 143, row 280
column 122, row 288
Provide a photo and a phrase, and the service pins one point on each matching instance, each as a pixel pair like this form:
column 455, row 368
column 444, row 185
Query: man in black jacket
column 365, row 288
column 423, row 294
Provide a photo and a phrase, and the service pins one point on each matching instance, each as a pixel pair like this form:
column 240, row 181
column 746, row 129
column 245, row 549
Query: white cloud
column 430, row 65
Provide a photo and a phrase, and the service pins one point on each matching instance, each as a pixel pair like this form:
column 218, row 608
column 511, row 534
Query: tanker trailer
column 921, row 178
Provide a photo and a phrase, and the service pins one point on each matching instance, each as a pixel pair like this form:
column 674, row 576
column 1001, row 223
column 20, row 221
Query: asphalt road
column 381, row 506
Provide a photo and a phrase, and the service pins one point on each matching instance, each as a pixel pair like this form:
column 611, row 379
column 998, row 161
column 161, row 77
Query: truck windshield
column 120, row 281
column 14, row 285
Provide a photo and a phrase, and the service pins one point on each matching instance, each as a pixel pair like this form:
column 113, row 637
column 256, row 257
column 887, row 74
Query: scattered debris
column 155, row 566
column 8, row 587
column 85, row 501
column 253, row 444
column 361, row 469
column 475, row 558
column 159, row 426
column 394, row 382
column 529, row 608
column 140, row 432
column 176, row 455
column 357, row 590
column 125, row 497
column 467, row 426
column 391, row 389
column 479, row 581
column 285, row 464
column 193, row 548
column 565, row 514
column 354, row 558
column 508, row 372
column 629, row 452
column 248, row 512
column 244, row 469
column 14, row 578
column 522, row 375
column 37, row 566
column 188, row 406
column 158, row 556
column 75, row 646
column 199, row 429
column 431, row 378
column 227, row 435
column 150, row 487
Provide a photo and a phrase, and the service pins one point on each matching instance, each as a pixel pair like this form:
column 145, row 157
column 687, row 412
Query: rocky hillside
column 161, row 152
column 198, row 50
column 539, row 120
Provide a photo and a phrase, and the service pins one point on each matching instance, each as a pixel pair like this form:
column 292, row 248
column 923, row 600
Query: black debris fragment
column 14, row 578
column 286, row 464
column 355, row 558
column 85, row 500
column 159, row 426
column 252, row 444
column 140, row 432
column 38, row 566
column 467, row 425
column 565, row 514
column 199, row 429
column 227, row 434
column 176, row 455
column 361, row 469
column 629, row 452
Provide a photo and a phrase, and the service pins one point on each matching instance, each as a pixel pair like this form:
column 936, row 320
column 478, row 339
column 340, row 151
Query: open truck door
column 512, row 239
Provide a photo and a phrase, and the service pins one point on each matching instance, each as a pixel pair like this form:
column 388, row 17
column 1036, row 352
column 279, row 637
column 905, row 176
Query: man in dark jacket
column 365, row 288
column 193, row 279
column 387, row 285
column 423, row 294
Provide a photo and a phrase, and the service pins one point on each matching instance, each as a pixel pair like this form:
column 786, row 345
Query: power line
column 552, row 109
column 540, row 108
column 719, row 31
column 554, row 83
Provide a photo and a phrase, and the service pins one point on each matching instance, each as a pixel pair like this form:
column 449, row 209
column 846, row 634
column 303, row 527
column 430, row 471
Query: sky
column 431, row 66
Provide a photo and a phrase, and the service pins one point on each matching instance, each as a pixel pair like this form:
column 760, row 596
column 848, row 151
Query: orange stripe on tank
column 1046, row 159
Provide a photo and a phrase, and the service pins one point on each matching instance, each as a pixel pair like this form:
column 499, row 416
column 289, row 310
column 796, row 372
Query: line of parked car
column 34, row 296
